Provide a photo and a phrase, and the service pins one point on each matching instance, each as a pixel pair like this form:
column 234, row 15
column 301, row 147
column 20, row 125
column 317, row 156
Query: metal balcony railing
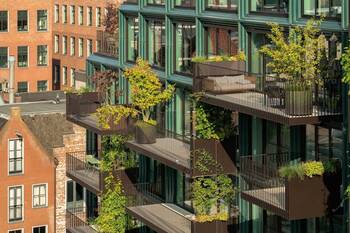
column 108, row 44
column 77, row 221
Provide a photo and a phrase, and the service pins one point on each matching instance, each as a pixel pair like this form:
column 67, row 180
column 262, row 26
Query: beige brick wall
column 73, row 142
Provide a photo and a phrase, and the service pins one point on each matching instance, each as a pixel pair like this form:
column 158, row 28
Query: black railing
column 108, row 44
column 76, row 219
column 268, row 92
column 261, row 178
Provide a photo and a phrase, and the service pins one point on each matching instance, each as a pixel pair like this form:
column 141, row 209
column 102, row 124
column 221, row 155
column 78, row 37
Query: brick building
column 50, row 41
column 34, row 140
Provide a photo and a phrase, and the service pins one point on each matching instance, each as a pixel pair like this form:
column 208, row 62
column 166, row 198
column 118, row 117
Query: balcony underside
column 88, row 178
column 253, row 103
column 170, row 151
column 268, row 198
column 163, row 218
column 90, row 122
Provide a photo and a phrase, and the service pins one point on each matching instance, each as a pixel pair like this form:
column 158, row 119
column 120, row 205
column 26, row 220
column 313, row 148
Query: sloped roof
column 49, row 129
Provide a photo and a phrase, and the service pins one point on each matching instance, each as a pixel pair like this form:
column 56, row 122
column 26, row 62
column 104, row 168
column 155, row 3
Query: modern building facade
column 169, row 34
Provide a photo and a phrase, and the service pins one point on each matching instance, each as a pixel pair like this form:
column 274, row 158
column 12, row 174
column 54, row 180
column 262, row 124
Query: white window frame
column 89, row 43
column 71, row 15
column 64, row 45
column 89, row 11
column 46, row 195
column 8, row 203
column 8, row 157
column 98, row 17
column 81, row 17
column 81, row 48
column 57, row 13
column 64, row 14
column 57, row 44
column 46, row 228
column 72, row 41
column 18, row 229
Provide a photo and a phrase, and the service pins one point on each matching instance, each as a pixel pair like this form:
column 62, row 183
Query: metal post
column 12, row 80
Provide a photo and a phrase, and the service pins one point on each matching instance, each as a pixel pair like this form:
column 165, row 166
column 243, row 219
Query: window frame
column 15, row 173
column 22, row 203
column 37, row 85
column 265, row 13
column 18, row 55
column 128, row 36
column 47, row 56
column 46, row 195
column 161, row 68
column 18, row 229
column 318, row 16
column 46, row 228
column 22, row 91
column 207, row 8
column 7, row 21
column 7, row 62
column 39, row 29
column 27, row 20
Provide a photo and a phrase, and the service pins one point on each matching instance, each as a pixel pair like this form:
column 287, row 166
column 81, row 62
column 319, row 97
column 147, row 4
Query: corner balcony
column 78, row 222
column 227, row 85
column 81, row 109
column 164, row 217
column 182, row 153
column 83, row 167
column 108, row 44
column 291, row 199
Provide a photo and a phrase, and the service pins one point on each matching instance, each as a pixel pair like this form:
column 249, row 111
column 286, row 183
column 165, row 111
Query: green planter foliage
column 112, row 215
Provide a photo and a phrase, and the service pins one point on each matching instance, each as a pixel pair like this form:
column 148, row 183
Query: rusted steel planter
column 223, row 152
column 209, row 227
column 82, row 104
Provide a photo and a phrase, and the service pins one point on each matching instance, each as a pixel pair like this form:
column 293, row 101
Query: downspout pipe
column 12, row 80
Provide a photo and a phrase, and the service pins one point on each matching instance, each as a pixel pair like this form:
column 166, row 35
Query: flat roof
column 34, row 108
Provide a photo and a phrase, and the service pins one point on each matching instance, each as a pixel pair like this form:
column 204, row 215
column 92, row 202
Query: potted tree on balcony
column 146, row 92
column 296, row 60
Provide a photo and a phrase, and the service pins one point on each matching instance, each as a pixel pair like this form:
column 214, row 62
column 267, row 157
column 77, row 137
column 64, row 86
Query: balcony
column 81, row 109
column 83, row 167
column 291, row 199
column 78, row 222
column 225, row 84
column 108, row 44
column 165, row 217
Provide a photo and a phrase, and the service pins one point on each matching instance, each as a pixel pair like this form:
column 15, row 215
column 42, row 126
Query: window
column 98, row 17
column 72, row 46
column 64, row 75
column 15, row 156
column 22, row 21
column 39, row 195
column 89, row 16
column 64, row 14
column 3, row 57
column 156, row 2
column 75, row 195
column 72, row 15
column 15, row 203
column 57, row 43
column 22, row 56
column 16, row 231
column 133, row 38
column 221, row 41
column 81, row 15
column 42, row 85
column 42, row 55
column 222, row 4
column 57, row 13
column 156, row 43
column 271, row 6
column 185, row 3
column 72, row 77
column 41, row 229
column 64, row 45
column 81, row 47
column 22, row 87
column 327, row 8
column 3, row 21
column 42, row 20
column 89, row 47
column 185, row 47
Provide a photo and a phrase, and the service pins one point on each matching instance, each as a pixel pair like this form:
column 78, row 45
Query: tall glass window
column 222, row 4
column 269, row 6
column 327, row 8
column 3, row 21
column 22, row 21
column 3, row 57
column 221, row 41
column 42, row 55
column 185, row 3
column 133, row 38
column 185, row 46
column 156, row 43
column 22, row 56
column 42, row 20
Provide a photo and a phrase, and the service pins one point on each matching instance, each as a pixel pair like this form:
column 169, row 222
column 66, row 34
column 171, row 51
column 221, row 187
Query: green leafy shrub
column 345, row 61
column 292, row 171
column 239, row 57
column 330, row 166
column 313, row 168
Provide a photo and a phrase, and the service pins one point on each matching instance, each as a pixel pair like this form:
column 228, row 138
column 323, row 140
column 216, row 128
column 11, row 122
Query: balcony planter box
column 223, row 153
column 128, row 177
column 299, row 103
column 211, row 69
column 145, row 133
column 209, row 227
column 124, row 127
column 312, row 197
column 81, row 104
